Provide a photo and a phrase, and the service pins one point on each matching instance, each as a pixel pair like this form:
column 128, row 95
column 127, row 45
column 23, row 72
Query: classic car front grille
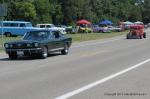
column 19, row 46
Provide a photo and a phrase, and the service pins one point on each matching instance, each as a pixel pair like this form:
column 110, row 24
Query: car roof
column 45, row 24
column 44, row 30
column 137, row 26
column 15, row 22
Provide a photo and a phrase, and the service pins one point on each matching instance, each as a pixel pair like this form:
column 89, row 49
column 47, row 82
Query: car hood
column 23, row 42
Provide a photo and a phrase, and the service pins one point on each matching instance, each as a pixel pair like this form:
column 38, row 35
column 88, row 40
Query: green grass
column 7, row 39
column 93, row 36
column 79, row 37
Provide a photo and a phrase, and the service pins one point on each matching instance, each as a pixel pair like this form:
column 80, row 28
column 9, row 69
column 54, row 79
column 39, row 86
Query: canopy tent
column 106, row 22
column 83, row 22
column 138, row 22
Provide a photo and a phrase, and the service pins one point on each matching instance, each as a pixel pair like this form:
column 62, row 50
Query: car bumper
column 24, row 52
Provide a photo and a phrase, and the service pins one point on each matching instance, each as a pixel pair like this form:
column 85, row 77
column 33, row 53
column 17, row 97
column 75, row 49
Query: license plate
column 20, row 53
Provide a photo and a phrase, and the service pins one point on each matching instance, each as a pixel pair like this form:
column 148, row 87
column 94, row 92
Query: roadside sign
column 3, row 10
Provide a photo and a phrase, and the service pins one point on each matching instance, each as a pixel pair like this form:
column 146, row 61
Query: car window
column 42, row 26
column 29, row 25
column 56, row 34
column 22, row 25
column 37, row 35
column 14, row 24
column 48, row 26
column 6, row 24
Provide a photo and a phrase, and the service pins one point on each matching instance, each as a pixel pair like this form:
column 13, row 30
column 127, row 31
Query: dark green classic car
column 39, row 43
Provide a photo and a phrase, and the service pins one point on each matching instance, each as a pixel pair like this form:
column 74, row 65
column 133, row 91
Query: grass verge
column 7, row 39
column 93, row 36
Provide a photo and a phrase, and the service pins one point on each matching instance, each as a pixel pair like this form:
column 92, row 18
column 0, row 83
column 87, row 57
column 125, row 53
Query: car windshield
column 38, row 35
column 29, row 25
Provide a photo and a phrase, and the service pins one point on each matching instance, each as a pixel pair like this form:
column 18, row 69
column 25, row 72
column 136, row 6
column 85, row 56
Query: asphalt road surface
column 114, row 68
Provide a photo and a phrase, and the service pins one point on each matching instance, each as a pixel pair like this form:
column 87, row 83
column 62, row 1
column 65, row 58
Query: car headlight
column 36, row 44
column 6, row 45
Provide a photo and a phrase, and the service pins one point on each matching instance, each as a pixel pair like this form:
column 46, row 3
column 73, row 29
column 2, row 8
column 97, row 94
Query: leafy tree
column 146, row 11
column 69, row 11
column 43, row 11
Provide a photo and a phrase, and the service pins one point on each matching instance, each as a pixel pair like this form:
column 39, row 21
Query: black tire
column 128, row 36
column 44, row 53
column 141, row 36
column 65, row 51
column 144, row 35
column 12, row 56
column 7, row 34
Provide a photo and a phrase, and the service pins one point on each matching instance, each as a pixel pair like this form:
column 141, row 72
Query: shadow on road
column 28, row 58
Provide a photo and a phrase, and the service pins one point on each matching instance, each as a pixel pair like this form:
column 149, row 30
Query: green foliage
column 43, row 11
column 69, row 11
column 26, row 11
column 146, row 11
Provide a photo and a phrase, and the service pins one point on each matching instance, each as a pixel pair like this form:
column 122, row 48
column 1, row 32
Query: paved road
column 113, row 68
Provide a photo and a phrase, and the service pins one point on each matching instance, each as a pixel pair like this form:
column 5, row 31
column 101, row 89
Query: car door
column 22, row 28
column 57, row 40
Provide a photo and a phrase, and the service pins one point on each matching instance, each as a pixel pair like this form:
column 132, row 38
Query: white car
column 52, row 26
column 114, row 29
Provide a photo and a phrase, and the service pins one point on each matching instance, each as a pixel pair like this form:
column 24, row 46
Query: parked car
column 104, row 30
column 114, row 29
column 15, row 28
column 38, row 43
column 85, row 29
column 75, row 29
column 72, row 29
column 52, row 26
column 69, row 29
column 62, row 26
column 96, row 28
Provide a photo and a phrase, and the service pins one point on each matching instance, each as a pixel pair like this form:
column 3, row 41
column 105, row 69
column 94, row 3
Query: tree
column 69, row 11
column 43, row 11
column 21, row 11
column 146, row 11
column 25, row 11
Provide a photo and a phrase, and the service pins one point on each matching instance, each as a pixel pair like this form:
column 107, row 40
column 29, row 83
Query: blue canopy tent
column 105, row 22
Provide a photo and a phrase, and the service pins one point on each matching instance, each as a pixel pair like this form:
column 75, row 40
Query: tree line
column 69, row 11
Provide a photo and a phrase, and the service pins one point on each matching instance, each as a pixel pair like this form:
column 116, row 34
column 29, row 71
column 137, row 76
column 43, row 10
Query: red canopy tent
column 83, row 22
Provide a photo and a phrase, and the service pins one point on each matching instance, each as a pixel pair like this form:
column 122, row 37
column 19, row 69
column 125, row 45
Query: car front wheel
column 12, row 56
column 128, row 36
column 65, row 51
column 44, row 53
column 144, row 35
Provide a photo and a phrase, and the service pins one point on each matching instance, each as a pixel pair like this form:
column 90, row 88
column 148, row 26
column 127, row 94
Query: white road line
column 96, row 43
column 70, row 94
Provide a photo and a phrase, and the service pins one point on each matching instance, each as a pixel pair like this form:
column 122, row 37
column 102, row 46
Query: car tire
column 128, row 36
column 44, row 53
column 65, row 51
column 141, row 36
column 144, row 35
column 12, row 56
